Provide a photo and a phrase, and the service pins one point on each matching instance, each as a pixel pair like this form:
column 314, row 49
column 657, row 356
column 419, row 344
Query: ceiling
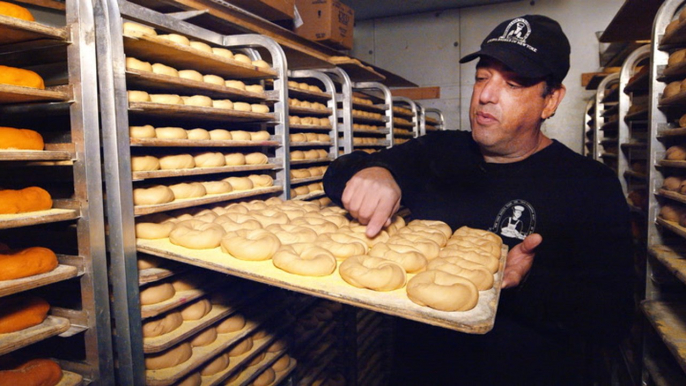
column 372, row 9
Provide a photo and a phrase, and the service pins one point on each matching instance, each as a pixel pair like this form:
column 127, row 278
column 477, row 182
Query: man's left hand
column 519, row 260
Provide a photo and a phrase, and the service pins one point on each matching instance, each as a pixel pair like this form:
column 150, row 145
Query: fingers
column 519, row 260
column 531, row 242
column 380, row 217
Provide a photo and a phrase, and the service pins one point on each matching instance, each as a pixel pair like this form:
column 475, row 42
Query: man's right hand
column 372, row 196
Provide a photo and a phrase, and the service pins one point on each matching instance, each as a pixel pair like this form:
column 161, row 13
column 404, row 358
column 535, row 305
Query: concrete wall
column 425, row 49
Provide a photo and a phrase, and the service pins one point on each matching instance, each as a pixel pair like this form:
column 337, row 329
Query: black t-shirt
column 581, row 282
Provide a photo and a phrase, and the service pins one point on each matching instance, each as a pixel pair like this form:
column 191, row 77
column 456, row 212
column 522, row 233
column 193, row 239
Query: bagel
column 341, row 245
column 409, row 257
column 442, row 291
column 291, row 234
column 252, row 245
column 27, row 262
column 195, row 234
column 155, row 195
column 153, row 231
column 480, row 276
column 373, row 273
column 304, row 259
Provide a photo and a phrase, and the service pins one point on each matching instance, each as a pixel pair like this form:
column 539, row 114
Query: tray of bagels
column 420, row 269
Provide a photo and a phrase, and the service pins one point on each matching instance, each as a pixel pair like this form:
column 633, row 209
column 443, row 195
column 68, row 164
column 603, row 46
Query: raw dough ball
column 240, row 135
column 138, row 96
column 234, row 159
column 241, row 348
column 210, row 160
column 156, row 293
column 671, row 89
column 161, row 326
column 256, row 159
column 213, row 79
column 191, row 75
column 179, row 161
column 239, row 183
column 256, row 88
column 237, row 84
column 176, row 38
column 199, row 134
column 153, row 231
column 261, row 135
column 146, row 131
column 197, row 100
column 135, row 64
column 218, row 364
column 196, row 234
column 258, row 108
column 242, row 106
column 220, row 135
column 261, row 64
column 196, row 310
column 304, row 259
column 188, row 190
column 266, row 378
column 170, row 358
column 168, row 99
column 676, row 153
column 135, row 29
column 171, row 133
column 232, row 324
column 155, row 195
column 222, row 104
column 204, row 47
column 223, row 52
column 242, row 58
column 144, row 163
column 159, row 68
column 217, row 187
column 204, row 338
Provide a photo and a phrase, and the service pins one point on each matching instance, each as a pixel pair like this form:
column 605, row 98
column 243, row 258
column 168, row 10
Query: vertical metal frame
column 128, row 339
column 599, row 108
column 590, row 104
column 388, row 104
column 345, row 98
column 441, row 117
column 416, row 115
column 624, row 136
column 84, row 118
column 332, row 103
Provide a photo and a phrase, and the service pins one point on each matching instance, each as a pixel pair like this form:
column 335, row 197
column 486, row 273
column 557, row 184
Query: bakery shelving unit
column 119, row 147
column 605, row 146
column 60, row 48
column 663, row 350
column 372, row 112
column 318, row 132
column 343, row 98
column 432, row 119
column 405, row 110
column 632, row 172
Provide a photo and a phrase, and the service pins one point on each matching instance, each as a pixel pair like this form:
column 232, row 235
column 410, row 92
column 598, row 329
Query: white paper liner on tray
column 478, row 320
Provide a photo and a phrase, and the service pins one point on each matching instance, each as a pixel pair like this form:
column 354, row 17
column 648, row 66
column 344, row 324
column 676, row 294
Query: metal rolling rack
column 66, row 114
column 664, row 362
column 606, row 111
column 328, row 95
column 117, row 147
column 382, row 93
column 402, row 134
column 428, row 123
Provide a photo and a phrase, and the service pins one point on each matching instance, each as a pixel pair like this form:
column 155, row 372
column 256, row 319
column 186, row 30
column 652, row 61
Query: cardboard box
column 328, row 22
column 274, row 10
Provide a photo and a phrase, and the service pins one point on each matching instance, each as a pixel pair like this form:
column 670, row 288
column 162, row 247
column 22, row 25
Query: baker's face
column 506, row 110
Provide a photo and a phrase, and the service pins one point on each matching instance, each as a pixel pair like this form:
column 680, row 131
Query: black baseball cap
column 533, row 46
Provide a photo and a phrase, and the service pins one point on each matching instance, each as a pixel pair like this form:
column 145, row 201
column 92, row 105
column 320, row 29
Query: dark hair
column 551, row 85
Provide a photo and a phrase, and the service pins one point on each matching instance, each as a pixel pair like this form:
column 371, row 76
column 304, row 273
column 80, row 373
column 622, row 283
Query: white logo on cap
column 516, row 32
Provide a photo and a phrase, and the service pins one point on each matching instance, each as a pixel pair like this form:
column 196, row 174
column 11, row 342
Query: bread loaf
column 20, row 77
column 29, row 199
column 13, row 10
column 20, row 139
column 27, row 262
column 21, row 312
column 36, row 372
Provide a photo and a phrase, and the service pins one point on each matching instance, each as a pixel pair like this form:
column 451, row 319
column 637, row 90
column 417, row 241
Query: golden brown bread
column 16, row 11
column 21, row 77
column 35, row 372
column 20, row 139
column 27, row 262
column 29, row 199
column 20, row 312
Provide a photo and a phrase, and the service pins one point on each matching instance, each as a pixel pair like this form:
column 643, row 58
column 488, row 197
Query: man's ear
column 552, row 101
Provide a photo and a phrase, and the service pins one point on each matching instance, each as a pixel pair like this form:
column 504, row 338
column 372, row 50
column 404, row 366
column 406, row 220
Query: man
column 574, row 220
